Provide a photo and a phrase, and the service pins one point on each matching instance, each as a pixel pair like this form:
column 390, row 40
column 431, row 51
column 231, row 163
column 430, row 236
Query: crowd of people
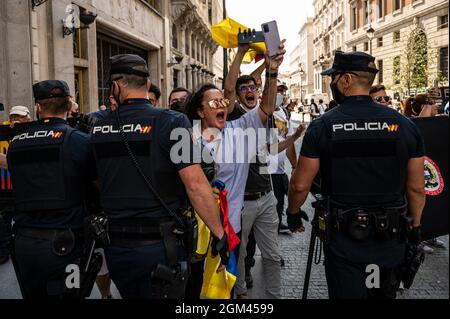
column 127, row 159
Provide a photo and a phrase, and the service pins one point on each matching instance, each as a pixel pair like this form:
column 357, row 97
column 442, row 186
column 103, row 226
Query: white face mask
column 280, row 99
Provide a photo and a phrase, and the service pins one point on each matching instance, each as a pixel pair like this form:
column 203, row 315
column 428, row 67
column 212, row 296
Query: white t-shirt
column 232, row 144
column 284, row 130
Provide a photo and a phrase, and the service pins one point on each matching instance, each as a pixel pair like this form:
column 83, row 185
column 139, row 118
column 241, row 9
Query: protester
column 322, row 107
column 154, row 94
column 209, row 106
column 178, row 98
column 314, row 109
column 19, row 114
column 379, row 95
column 420, row 106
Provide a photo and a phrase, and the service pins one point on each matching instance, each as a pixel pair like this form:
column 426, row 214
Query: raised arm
column 288, row 142
column 270, row 87
column 258, row 73
column 233, row 74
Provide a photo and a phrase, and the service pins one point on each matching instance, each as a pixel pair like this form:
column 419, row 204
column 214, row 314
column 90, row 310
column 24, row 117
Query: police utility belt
column 362, row 223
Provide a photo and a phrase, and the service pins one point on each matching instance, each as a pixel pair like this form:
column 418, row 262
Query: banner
column 436, row 214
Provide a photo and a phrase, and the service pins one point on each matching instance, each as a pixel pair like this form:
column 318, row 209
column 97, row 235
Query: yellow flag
column 225, row 33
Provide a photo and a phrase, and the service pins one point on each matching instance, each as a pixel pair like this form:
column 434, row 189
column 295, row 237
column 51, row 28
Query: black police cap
column 128, row 64
column 46, row 89
column 351, row 61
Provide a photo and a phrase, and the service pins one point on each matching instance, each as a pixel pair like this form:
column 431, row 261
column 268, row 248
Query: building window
column 176, row 74
column 396, row 70
column 380, row 73
column 354, row 18
column 174, row 36
column 106, row 48
column 193, row 44
column 366, row 46
column 187, row 79
column 366, row 12
column 443, row 61
column 396, row 36
column 77, row 47
column 397, row 4
column 198, row 51
column 210, row 12
column 354, row 48
column 380, row 4
column 79, row 85
column 155, row 4
column 187, row 48
column 443, row 22
column 380, row 42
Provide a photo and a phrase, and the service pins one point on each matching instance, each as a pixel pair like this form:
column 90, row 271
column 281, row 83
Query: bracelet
column 272, row 75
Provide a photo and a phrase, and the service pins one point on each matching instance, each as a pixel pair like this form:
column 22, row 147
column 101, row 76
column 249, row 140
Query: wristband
column 272, row 75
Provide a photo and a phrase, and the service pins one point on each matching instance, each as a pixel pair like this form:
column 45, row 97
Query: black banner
column 436, row 214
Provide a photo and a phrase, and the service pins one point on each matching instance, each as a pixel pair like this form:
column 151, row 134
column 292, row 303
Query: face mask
column 280, row 99
column 178, row 107
column 337, row 95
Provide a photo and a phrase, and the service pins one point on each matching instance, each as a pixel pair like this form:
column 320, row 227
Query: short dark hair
column 377, row 88
column 195, row 101
column 179, row 89
column 320, row 101
column 56, row 105
column 244, row 79
column 155, row 90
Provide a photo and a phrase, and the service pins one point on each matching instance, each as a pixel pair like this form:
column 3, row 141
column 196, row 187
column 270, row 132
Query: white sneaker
column 427, row 249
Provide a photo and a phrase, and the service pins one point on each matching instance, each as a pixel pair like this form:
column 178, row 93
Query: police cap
column 46, row 89
column 128, row 64
column 351, row 61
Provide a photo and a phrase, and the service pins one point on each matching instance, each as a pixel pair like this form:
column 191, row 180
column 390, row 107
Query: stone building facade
column 329, row 23
column 34, row 45
column 392, row 21
column 301, row 63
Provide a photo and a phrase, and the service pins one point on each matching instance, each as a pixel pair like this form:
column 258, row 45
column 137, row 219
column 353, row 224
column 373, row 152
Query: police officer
column 370, row 158
column 49, row 165
column 143, row 189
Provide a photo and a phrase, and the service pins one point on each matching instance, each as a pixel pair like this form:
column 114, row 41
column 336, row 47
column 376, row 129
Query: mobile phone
column 272, row 37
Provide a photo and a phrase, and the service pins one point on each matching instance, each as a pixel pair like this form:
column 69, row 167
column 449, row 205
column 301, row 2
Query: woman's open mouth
column 221, row 116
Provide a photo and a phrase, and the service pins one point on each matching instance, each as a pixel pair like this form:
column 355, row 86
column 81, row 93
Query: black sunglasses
column 380, row 99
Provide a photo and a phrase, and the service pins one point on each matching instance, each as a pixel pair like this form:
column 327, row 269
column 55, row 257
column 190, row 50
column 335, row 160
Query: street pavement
column 432, row 281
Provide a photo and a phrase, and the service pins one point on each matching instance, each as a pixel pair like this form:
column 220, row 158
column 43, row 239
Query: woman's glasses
column 219, row 103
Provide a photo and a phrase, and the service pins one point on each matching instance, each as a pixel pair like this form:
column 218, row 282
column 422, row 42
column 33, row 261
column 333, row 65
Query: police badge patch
column 434, row 183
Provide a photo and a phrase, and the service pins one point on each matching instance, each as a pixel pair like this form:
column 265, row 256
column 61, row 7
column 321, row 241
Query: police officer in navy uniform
column 49, row 165
column 371, row 161
column 130, row 159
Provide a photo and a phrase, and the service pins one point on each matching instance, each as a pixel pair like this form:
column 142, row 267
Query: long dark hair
column 195, row 101
column 413, row 105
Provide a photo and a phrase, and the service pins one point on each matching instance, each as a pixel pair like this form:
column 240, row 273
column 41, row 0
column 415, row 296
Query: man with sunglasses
column 371, row 161
column 379, row 95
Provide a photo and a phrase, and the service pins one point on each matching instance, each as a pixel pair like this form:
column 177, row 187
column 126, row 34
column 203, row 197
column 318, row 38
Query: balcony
column 340, row 18
column 329, row 28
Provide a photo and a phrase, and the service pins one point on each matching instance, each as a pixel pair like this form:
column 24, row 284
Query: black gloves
column 415, row 236
column 221, row 247
column 295, row 221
